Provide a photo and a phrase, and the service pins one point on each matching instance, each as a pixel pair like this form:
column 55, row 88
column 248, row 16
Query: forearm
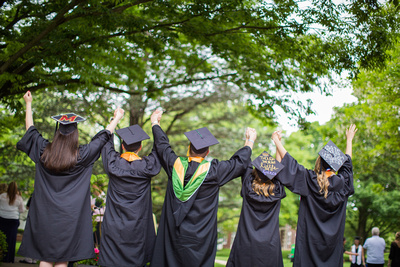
column 349, row 147
column 249, row 143
column 278, row 155
column 28, row 116
column 113, row 124
column 280, row 150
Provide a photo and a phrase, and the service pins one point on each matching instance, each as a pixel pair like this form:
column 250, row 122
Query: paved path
column 17, row 263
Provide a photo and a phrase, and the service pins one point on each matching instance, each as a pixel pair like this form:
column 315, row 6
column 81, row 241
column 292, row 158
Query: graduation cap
column 332, row 155
column 201, row 138
column 132, row 137
column 267, row 165
column 68, row 122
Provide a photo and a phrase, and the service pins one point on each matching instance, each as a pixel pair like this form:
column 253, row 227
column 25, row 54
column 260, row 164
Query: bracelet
column 154, row 122
column 250, row 140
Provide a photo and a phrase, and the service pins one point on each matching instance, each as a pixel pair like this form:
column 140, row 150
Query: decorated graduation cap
column 132, row 137
column 201, row 138
column 332, row 155
column 267, row 165
column 67, row 122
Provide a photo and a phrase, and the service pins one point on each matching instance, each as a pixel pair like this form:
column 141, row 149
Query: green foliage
column 151, row 48
column 376, row 149
column 3, row 244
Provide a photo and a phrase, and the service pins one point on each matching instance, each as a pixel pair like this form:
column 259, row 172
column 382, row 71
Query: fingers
column 28, row 96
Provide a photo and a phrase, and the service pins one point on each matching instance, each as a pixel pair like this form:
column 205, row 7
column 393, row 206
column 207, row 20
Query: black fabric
column 320, row 227
column 257, row 242
column 187, row 233
column 394, row 255
column 128, row 233
column 10, row 228
column 59, row 222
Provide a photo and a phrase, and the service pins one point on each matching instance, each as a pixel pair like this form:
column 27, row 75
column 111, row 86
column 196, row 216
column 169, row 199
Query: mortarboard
column 267, row 165
column 68, row 122
column 332, row 155
column 132, row 135
column 201, row 138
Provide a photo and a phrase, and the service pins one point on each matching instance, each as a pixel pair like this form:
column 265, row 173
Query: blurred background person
column 11, row 205
column 394, row 255
column 375, row 247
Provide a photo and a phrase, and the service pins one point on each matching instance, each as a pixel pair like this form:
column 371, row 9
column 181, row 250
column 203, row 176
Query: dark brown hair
column 62, row 153
column 265, row 187
column 12, row 192
column 198, row 152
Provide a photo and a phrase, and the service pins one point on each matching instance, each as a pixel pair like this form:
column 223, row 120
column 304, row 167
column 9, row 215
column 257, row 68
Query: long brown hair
column 12, row 192
column 62, row 153
column 322, row 179
column 265, row 187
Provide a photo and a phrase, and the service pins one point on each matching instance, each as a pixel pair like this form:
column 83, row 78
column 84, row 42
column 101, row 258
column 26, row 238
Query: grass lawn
column 224, row 255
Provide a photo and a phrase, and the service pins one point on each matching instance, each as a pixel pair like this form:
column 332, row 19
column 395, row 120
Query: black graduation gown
column 187, row 233
column 257, row 242
column 59, row 222
column 321, row 222
column 128, row 233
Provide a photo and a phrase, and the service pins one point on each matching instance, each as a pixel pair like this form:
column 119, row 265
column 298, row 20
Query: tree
column 144, row 47
column 376, row 152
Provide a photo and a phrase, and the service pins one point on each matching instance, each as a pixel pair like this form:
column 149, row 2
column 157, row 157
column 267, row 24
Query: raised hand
column 118, row 114
column 277, row 136
column 156, row 117
column 28, row 97
column 351, row 132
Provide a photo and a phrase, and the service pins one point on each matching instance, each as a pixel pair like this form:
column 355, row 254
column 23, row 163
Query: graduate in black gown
column 257, row 242
column 187, row 233
column 324, row 194
column 59, row 223
column 128, row 233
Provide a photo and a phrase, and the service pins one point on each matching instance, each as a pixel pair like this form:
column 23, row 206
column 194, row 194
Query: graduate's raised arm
column 350, row 135
column 280, row 150
column 251, row 136
column 118, row 114
column 28, row 112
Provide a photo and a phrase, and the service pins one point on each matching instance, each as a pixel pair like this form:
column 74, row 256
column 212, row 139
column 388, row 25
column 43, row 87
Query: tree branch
column 248, row 27
column 59, row 19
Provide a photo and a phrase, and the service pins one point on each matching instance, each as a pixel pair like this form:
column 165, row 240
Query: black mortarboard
column 132, row 136
column 201, row 138
column 267, row 165
column 68, row 122
column 332, row 155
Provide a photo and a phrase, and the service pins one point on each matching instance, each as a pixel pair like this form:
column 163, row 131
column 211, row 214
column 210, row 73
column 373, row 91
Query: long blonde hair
column 397, row 239
column 322, row 179
column 261, row 186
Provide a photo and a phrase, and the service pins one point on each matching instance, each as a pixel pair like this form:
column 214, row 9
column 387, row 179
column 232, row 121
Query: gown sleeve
column 153, row 164
column 109, row 157
column 165, row 153
column 346, row 171
column 92, row 150
column 33, row 144
column 235, row 166
column 294, row 176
